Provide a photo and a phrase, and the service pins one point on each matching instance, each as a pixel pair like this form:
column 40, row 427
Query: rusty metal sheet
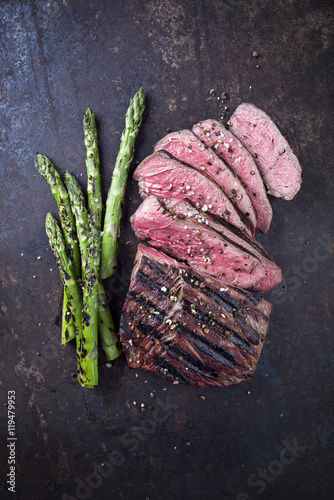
column 137, row 437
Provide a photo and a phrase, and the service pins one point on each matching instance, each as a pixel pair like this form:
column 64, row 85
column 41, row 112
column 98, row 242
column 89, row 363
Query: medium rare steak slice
column 200, row 247
column 228, row 147
column 188, row 328
column 273, row 276
column 186, row 147
column 165, row 177
column 275, row 159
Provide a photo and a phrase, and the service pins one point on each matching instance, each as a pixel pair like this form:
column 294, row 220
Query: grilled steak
column 186, row 147
column 165, row 177
column 273, row 276
column 275, row 159
column 200, row 247
column 229, row 148
column 189, row 328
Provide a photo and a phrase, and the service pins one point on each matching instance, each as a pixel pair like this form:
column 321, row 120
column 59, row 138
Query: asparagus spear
column 85, row 315
column 117, row 188
column 79, row 210
column 48, row 171
column 90, row 314
column 109, row 339
column 93, row 169
column 71, row 287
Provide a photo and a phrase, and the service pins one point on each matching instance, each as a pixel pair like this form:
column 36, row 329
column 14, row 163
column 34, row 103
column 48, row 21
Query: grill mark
column 145, row 303
column 188, row 275
column 148, row 330
column 222, row 298
column 250, row 296
column 159, row 269
column 151, row 280
column 124, row 326
column 167, row 370
column 212, row 350
column 251, row 334
column 189, row 361
column 219, row 328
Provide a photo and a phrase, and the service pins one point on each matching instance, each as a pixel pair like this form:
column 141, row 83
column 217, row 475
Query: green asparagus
column 117, row 188
column 71, row 287
column 79, row 210
column 108, row 335
column 78, row 247
column 90, row 314
column 109, row 338
column 93, row 169
column 48, row 171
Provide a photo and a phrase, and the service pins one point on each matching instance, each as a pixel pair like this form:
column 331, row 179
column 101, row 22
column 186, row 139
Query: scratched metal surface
column 271, row 437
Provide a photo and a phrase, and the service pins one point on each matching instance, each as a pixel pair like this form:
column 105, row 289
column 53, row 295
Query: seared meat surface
column 189, row 328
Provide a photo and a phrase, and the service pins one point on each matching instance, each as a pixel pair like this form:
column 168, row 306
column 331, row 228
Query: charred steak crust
column 189, row 328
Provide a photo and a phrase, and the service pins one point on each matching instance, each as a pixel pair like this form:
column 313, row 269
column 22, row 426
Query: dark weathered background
column 57, row 58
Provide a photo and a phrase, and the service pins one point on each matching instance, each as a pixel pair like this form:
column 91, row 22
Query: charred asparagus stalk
column 109, row 339
column 48, row 171
column 93, row 169
column 90, row 313
column 79, row 210
column 108, row 336
column 117, row 188
column 71, row 288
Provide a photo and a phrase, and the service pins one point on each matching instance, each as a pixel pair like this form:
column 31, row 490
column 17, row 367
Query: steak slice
column 185, row 209
column 229, row 148
column 165, row 177
column 186, row 147
column 188, row 328
column 200, row 247
column 276, row 161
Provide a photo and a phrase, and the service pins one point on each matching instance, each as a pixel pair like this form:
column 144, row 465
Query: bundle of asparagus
column 80, row 251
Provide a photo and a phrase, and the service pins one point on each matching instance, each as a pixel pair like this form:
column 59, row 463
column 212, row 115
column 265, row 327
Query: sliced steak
column 186, row 147
column 229, row 148
column 165, row 177
column 275, row 159
column 186, row 210
column 200, row 247
column 188, row 328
